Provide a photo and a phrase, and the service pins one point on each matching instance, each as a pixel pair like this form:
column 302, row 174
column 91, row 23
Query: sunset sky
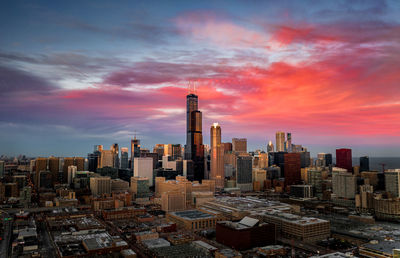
column 78, row 73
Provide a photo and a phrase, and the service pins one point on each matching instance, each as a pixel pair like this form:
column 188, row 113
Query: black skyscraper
column 364, row 164
column 194, row 149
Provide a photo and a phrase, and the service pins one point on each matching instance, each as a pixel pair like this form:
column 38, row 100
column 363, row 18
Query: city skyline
column 326, row 72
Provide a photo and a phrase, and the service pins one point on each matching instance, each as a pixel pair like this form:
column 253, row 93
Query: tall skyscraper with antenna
column 194, row 148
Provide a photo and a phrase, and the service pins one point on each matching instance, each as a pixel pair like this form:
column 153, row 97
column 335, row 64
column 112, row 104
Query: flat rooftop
column 192, row 214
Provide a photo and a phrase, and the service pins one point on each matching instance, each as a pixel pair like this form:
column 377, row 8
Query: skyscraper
column 343, row 159
column 194, row 148
column 292, row 164
column 288, row 142
column 239, row 145
column 115, row 149
column 280, row 141
column 244, row 174
column 124, row 158
column 217, row 156
column 364, row 163
column 135, row 150
column 270, row 147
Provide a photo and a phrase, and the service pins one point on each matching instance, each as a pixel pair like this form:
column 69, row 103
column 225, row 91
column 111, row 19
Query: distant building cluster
column 198, row 200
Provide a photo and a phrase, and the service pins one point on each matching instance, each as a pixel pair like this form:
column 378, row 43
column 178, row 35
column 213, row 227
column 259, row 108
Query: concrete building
column 392, row 182
column 245, row 234
column 107, row 159
column 173, row 201
column 193, row 220
column 344, row 184
column 217, row 156
column 143, row 167
column 118, row 185
column 239, row 145
column 71, row 174
column 100, row 185
column 259, row 177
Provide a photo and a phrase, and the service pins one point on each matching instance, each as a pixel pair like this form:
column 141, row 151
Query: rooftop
column 192, row 214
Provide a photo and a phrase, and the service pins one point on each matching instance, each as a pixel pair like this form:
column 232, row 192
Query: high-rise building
column 107, row 159
column 217, row 156
column 239, row 145
column 41, row 165
column 270, row 147
column 54, row 168
column 288, row 142
column 392, row 182
column 115, row 150
column 194, row 148
column 244, row 173
column 140, row 187
column 280, row 141
column 343, row 159
column 324, row 160
column 124, row 158
column 73, row 161
column 227, row 147
column 100, row 185
column 292, row 164
column 364, row 163
column 71, row 174
column 143, row 167
column 344, row 184
column 173, row 150
column 135, row 150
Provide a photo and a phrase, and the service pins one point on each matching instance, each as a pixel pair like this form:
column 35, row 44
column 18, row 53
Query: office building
column 324, row 160
column 292, row 168
column 244, row 180
column 364, row 163
column 140, row 187
column 227, row 147
column 344, row 159
column 73, row 161
column 143, row 167
column 288, row 142
column 245, row 234
column 71, row 174
column 173, row 201
column 54, row 168
column 270, row 147
column 135, row 150
column 392, row 182
column 100, row 185
column 124, row 158
column 217, row 156
column 107, row 159
column 173, row 150
column 259, row 177
column 194, row 148
column 115, row 150
column 239, row 145
column 41, row 165
column 344, row 184
column 194, row 220
column 280, row 141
